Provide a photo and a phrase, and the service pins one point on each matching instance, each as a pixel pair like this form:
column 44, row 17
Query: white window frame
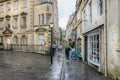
column 94, row 49
column 41, row 39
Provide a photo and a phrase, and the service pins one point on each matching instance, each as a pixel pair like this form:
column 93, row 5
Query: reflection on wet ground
column 77, row 70
column 23, row 66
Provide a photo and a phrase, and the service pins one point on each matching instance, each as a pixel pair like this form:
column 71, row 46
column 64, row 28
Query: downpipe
column 105, row 35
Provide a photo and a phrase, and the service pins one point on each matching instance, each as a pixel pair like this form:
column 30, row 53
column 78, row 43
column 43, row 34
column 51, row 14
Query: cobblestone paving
column 23, row 66
column 77, row 70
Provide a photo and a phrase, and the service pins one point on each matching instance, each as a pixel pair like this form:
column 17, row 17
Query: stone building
column 112, row 23
column 25, row 24
column 96, row 23
column 69, row 28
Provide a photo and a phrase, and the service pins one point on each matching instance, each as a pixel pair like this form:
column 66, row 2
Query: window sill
column 97, row 64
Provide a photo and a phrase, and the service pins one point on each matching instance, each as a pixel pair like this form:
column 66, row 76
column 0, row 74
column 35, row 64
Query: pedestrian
column 60, row 48
column 53, row 48
column 67, row 49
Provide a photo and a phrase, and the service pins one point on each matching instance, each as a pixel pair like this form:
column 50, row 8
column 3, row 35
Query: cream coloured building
column 25, row 24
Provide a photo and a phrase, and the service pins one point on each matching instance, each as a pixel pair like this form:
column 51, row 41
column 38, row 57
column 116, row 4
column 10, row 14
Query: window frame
column 16, row 5
column 24, row 21
column 15, row 40
column 15, row 22
column 24, row 40
column 48, row 18
column 41, row 41
column 8, row 6
column 1, row 24
column 43, row 19
column 100, row 7
column 94, row 48
column 24, row 3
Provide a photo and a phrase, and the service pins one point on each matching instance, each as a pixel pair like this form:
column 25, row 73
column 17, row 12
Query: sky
column 65, row 8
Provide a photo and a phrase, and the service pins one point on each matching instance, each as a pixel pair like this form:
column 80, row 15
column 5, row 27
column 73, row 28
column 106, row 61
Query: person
column 60, row 48
column 67, row 49
column 53, row 48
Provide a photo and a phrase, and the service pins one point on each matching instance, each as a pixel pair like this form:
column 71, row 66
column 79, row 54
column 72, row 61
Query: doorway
column 8, row 43
column 86, row 49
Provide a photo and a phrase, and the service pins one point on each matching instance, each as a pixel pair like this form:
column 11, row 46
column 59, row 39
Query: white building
column 93, row 32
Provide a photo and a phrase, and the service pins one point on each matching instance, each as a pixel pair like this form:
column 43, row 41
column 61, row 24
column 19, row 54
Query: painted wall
column 96, row 18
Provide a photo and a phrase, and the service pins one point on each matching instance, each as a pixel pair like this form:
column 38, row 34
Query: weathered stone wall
column 113, row 56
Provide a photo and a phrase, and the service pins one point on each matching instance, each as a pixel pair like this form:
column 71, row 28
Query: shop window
column 93, row 49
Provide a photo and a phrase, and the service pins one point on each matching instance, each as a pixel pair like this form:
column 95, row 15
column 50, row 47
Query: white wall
column 97, row 20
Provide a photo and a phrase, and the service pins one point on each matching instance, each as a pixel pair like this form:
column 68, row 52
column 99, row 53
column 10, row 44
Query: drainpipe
column 105, row 35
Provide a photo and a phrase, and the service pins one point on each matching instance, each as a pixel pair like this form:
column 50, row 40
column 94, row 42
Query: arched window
column 15, row 39
column 24, row 40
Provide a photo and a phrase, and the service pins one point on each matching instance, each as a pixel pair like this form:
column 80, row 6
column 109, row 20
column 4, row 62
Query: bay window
column 93, row 49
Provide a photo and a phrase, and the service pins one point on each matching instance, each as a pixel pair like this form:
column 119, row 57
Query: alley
column 23, row 66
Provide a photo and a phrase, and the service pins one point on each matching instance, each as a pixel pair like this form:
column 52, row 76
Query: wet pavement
column 31, row 66
column 77, row 70
column 23, row 66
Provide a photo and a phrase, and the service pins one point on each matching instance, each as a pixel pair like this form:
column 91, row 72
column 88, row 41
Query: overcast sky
column 66, row 8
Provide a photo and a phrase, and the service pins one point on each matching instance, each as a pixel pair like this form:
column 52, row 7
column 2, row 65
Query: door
column 86, row 49
column 8, row 43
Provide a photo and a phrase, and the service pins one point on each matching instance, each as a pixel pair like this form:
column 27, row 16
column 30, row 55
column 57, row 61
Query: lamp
column 51, row 54
column 51, row 25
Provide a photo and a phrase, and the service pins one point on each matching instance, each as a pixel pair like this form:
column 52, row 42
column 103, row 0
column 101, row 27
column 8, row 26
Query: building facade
column 93, row 32
column 96, row 23
column 25, row 24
